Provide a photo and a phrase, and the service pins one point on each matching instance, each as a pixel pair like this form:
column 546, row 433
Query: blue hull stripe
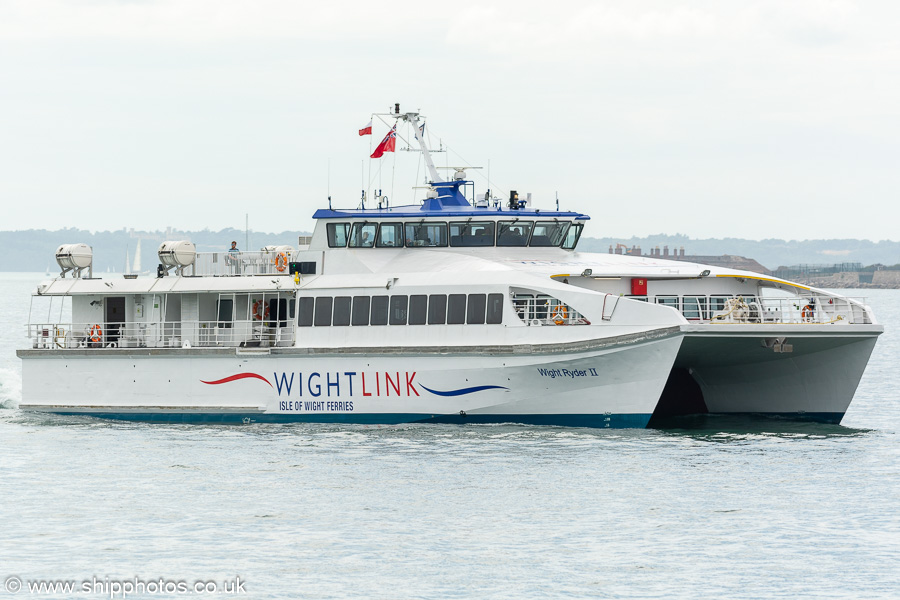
column 463, row 391
column 605, row 421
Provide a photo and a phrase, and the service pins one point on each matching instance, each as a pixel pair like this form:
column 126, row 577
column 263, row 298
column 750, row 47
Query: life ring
column 807, row 313
column 560, row 315
column 281, row 262
column 260, row 310
column 95, row 333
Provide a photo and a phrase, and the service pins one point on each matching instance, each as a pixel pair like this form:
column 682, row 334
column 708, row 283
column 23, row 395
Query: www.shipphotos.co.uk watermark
column 122, row 588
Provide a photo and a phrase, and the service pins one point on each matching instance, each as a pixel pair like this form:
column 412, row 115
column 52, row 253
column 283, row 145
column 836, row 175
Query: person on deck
column 233, row 258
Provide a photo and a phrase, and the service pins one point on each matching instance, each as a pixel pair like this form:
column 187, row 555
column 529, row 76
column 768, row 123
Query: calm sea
column 725, row 509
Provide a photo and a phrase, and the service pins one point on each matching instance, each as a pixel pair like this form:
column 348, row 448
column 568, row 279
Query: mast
column 413, row 118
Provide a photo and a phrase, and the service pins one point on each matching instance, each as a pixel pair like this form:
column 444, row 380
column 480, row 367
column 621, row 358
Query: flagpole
column 370, row 154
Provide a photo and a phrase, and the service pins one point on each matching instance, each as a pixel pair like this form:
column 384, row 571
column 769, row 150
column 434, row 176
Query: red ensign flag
column 387, row 144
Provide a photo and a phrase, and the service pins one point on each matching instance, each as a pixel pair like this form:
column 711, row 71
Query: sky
column 755, row 119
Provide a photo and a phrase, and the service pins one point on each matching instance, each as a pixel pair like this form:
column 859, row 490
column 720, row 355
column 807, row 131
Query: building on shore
column 725, row 260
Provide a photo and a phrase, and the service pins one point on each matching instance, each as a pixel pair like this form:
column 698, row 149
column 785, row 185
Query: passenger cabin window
column 495, row 309
column 362, row 235
column 513, row 233
column 305, row 312
column 668, row 301
column 360, row 311
column 390, row 235
column 475, row 309
column 472, row 233
column 341, row 311
column 379, row 310
column 573, row 236
column 337, row 234
column 426, row 234
column 456, row 309
column 398, row 310
column 694, row 307
column 418, row 309
column 717, row 303
column 437, row 309
column 323, row 311
column 549, row 233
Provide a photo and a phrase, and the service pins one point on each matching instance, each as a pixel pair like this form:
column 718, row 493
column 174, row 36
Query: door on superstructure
column 115, row 317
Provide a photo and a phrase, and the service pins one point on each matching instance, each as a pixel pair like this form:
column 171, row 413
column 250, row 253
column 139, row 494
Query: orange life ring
column 561, row 315
column 281, row 262
column 95, row 333
column 260, row 310
column 807, row 313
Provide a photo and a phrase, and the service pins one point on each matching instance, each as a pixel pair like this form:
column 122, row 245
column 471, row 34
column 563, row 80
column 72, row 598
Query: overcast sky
column 753, row 119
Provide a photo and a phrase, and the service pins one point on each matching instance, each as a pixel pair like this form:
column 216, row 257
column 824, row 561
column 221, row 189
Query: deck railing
column 791, row 310
column 543, row 310
column 220, row 264
column 178, row 334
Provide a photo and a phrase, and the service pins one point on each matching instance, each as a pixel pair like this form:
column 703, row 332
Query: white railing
column 242, row 263
column 179, row 334
column 793, row 310
column 546, row 311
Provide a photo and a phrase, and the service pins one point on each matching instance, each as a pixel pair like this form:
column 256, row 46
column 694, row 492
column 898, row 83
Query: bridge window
column 549, row 233
column 426, row 234
column 363, row 235
column 390, row 235
column 513, row 233
column 472, row 233
column 337, row 234
column 573, row 236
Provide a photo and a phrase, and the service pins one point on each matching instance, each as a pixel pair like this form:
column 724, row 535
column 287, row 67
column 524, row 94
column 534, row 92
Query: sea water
column 719, row 508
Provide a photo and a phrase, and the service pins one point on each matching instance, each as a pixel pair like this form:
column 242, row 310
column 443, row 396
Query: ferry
column 462, row 308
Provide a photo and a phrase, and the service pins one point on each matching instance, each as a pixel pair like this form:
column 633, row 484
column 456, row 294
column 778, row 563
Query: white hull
column 613, row 384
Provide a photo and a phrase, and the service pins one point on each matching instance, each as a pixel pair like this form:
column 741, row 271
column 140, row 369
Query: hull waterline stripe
column 236, row 377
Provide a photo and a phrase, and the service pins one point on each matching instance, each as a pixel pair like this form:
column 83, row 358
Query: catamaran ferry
column 459, row 309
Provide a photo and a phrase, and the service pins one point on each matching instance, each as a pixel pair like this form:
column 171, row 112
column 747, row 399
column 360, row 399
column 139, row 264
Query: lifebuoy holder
column 95, row 332
column 560, row 315
column 807, row 313
column 281, row 262
column 260, row 310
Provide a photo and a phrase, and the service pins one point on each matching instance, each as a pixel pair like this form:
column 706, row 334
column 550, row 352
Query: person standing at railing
column 233, row 258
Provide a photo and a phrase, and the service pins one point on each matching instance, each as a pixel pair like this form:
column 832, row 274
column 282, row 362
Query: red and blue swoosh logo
column 236, row 377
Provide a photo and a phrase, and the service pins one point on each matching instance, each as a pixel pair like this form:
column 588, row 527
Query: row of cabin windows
column 458, row 234
column 419, row 309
